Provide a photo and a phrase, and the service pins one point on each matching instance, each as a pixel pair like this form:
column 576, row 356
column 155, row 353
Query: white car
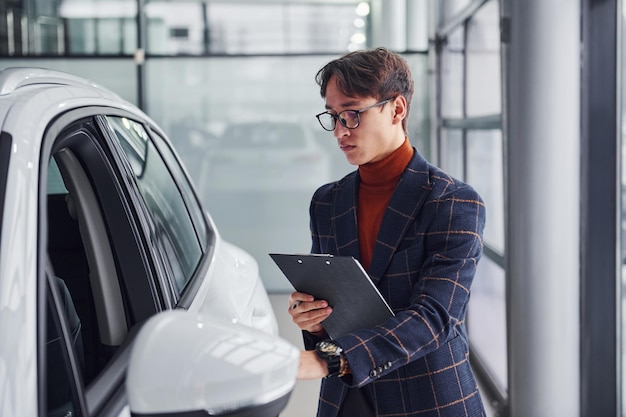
column 266, row 156
column 117, row 294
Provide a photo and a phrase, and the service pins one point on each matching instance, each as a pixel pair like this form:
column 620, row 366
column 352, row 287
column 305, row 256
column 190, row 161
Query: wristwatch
column 330, row 352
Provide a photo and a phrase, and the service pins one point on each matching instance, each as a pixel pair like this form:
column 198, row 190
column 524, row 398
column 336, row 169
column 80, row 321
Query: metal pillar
column 389, row 24
column 543, row 183
column 417, row 24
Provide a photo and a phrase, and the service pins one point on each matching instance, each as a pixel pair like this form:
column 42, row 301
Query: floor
column 303, row 401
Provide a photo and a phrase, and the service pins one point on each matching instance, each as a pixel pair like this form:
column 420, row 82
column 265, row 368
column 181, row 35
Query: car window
column 61, row 393
column 193, row 205
column 174, row 226
column 55, row 179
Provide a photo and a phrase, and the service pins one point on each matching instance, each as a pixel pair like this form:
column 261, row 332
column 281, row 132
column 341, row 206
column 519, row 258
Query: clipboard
column 342, row 281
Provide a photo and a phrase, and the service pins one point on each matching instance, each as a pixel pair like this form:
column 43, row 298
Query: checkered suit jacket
column 423, row 263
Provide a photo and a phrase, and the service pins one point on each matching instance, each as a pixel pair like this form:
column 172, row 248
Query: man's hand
column 307, row 313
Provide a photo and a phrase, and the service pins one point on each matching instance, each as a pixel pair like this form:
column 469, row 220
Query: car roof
column 48, row 93
column 11, row 79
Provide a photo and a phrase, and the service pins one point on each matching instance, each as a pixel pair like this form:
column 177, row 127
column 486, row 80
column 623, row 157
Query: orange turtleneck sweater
column 378, row 181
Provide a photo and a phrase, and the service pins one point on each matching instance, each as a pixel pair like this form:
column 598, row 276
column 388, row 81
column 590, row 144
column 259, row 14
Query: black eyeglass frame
column 335, row 117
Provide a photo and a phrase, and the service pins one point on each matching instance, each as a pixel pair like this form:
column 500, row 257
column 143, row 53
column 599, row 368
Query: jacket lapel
column 406, row 201
column 344, row 216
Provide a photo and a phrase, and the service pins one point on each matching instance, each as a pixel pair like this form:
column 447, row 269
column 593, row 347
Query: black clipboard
column 342, row 281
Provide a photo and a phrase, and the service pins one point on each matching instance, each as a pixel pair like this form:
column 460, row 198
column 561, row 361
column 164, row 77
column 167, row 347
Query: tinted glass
column 60, row 390
column 193, row 206
column 55, row 180
column 174, row 227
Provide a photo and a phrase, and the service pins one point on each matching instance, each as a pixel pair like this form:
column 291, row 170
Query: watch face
column 331, row 353
column 329, row 348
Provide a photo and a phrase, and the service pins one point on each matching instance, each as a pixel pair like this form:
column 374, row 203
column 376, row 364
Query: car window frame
column 186, row 296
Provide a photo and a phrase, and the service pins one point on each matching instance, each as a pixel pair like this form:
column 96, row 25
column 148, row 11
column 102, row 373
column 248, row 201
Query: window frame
column 448, row 25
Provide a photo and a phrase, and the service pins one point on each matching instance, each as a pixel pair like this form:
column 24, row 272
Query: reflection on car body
column 102, row 231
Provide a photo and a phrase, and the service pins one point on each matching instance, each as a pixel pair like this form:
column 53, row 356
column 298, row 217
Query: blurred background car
column 101, row 232
column 266, row 156
column 193, row 143
column 258, row 181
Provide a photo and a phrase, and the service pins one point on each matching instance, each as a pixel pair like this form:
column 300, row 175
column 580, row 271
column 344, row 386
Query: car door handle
column 261, row 319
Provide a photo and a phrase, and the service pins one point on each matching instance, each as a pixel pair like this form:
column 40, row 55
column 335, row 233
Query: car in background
column 118, row 295
column 192, row 143
column 266, row 156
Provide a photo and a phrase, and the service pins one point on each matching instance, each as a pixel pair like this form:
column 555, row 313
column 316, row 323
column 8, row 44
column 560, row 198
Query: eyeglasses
column 348, row 118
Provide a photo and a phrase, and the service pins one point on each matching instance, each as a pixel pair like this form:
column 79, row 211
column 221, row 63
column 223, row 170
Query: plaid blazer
column 423, row 263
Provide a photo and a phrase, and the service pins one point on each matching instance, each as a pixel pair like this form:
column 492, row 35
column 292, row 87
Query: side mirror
column 184, row 363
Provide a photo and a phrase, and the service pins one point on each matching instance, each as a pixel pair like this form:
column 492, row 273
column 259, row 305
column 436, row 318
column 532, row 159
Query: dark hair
column 377, row 73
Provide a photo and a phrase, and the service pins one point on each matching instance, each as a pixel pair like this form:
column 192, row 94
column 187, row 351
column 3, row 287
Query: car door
column 125, row 238
column 103, row 275
column 201, row 272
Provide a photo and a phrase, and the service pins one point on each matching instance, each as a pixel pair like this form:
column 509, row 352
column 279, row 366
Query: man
column 418, row 233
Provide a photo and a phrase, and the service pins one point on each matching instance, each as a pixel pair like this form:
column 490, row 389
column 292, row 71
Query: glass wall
column 254, row 27
column 194, row 27
column 246, row 128
column 232, row 84
column 471, row 147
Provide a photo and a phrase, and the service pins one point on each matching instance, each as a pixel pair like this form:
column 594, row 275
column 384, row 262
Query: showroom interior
column 522, row 99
